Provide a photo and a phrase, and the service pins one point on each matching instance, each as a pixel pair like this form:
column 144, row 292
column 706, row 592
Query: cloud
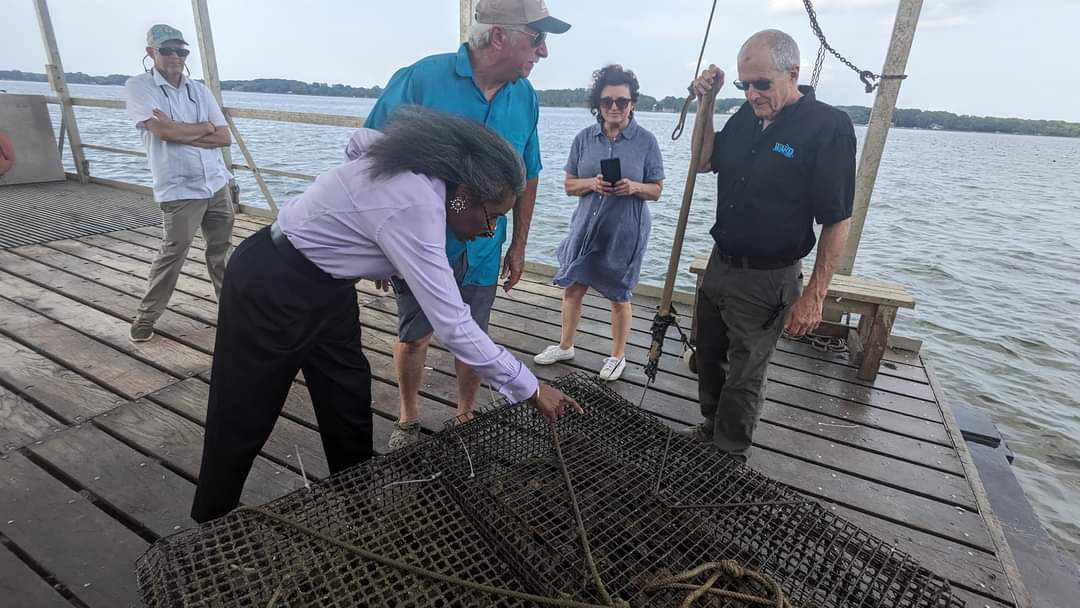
column 671, row 26
column 946, row 22
column 945, row 14
column 779, row 7
column 940, row 14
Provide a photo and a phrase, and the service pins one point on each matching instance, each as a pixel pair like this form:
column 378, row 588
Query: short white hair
column 480, row 35
column 782, row 47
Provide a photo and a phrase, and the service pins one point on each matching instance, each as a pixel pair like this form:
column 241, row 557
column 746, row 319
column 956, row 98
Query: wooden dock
column 100, row 439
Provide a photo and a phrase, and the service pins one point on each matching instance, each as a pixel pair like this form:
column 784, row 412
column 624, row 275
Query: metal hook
column 865, row 77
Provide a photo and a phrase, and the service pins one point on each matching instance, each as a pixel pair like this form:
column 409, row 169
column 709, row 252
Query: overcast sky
column 984, row 57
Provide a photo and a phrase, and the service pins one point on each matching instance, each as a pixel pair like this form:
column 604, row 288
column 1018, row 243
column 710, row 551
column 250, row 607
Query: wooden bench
column 874, row 301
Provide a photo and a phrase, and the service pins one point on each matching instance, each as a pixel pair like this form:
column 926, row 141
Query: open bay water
column 984, row 229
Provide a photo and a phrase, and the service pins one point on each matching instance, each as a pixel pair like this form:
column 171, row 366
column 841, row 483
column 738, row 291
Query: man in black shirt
column 783, row 160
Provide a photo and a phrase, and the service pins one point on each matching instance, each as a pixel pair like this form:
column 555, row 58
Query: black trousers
column 279, row 315
column 740, row 316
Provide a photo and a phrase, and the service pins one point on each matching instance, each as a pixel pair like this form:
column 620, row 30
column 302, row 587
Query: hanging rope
column 690, row 89
column 864, row 75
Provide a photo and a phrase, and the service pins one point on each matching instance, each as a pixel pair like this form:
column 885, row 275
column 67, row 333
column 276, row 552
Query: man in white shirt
column 182, row 129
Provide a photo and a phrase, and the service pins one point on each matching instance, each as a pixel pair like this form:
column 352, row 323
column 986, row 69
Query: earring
column 457, row 204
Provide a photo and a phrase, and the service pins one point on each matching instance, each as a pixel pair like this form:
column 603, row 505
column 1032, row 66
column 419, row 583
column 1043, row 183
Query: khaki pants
column 180, row 220
column 740, row 316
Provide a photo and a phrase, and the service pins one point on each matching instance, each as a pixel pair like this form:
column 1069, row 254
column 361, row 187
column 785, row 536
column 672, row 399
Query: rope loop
column 714, row 571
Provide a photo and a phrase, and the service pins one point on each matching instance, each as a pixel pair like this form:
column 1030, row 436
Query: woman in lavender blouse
column 288, row 300
column 610, row 227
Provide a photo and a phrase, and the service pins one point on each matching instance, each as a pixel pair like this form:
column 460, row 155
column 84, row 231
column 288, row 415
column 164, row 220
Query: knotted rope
column 714, row 571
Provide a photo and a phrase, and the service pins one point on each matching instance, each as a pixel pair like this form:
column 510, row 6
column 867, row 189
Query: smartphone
column 611, row 170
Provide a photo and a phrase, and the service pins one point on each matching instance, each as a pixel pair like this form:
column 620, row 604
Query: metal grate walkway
column 38, row 213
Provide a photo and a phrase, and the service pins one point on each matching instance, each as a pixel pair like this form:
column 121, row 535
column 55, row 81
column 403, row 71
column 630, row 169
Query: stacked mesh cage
column 487, row 501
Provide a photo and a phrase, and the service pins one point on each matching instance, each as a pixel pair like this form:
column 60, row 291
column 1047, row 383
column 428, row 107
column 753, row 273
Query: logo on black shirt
column 784, row 149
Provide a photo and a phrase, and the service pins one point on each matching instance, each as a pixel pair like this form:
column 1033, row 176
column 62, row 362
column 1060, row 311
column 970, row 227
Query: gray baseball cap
column 532, row 13
column 161, row 33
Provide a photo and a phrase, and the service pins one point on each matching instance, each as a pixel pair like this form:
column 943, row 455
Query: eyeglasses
column 761, row 84
column 620, row 102
column 537, row 39
column 169, row 51
column 490, row 232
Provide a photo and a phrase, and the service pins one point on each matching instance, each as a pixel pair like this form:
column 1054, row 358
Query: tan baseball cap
column 160, row 34
column 532, row 13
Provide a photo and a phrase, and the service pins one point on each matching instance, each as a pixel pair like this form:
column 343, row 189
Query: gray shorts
column 413, row 324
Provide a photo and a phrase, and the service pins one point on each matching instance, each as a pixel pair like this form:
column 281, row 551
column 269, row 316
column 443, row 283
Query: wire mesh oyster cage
column 609, row 508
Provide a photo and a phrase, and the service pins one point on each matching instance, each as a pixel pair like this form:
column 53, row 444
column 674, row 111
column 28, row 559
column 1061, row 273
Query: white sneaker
column 613, row 368
column 554, row 354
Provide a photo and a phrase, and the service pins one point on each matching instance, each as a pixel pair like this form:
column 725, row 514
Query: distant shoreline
column 575, row 98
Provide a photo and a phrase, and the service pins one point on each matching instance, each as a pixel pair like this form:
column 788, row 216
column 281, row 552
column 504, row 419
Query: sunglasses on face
column 490, row 232
column 169, row 51
column 761, row 84
column 620, row 102
column 537, row 39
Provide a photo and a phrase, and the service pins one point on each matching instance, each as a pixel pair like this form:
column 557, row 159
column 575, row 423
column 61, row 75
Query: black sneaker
column 141, row 331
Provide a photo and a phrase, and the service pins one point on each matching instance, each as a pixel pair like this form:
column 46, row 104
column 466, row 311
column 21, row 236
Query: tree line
column 571, row 98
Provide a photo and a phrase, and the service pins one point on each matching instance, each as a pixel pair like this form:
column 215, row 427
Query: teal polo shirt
column 444, row 82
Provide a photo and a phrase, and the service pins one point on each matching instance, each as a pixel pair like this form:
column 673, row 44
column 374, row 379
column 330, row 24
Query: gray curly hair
column 451, row 148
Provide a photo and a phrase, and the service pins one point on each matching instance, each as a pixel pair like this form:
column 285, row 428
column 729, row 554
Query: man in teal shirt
column 486, row 81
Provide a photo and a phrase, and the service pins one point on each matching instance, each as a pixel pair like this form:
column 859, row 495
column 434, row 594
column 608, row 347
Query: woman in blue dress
column 610, row 227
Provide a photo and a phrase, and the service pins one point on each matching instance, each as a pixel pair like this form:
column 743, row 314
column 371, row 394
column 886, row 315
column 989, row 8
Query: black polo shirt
column 772, row 184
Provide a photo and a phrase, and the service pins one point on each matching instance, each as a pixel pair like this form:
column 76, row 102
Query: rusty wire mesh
column 486, row 502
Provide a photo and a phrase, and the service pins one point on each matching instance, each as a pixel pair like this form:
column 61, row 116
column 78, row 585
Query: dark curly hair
column 611, row 76
column 451, row 148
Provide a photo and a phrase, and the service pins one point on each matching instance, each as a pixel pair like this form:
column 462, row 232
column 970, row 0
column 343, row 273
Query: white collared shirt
column 180, row 171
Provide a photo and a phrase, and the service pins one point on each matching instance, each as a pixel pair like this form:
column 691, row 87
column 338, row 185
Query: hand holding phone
column 611, row 170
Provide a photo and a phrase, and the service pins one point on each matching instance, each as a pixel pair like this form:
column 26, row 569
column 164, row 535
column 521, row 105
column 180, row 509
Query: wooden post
column 55, row 70
column 680, row 226
column 466, row 19
column 209, row 59
column 684, row 211
column 907, row 18
column 210, row 73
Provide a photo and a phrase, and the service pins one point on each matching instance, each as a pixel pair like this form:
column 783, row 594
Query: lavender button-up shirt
column 354, row 227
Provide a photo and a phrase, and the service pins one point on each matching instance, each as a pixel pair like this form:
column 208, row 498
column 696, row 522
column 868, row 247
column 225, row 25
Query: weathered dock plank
column 67, row 535
column 88, row 411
